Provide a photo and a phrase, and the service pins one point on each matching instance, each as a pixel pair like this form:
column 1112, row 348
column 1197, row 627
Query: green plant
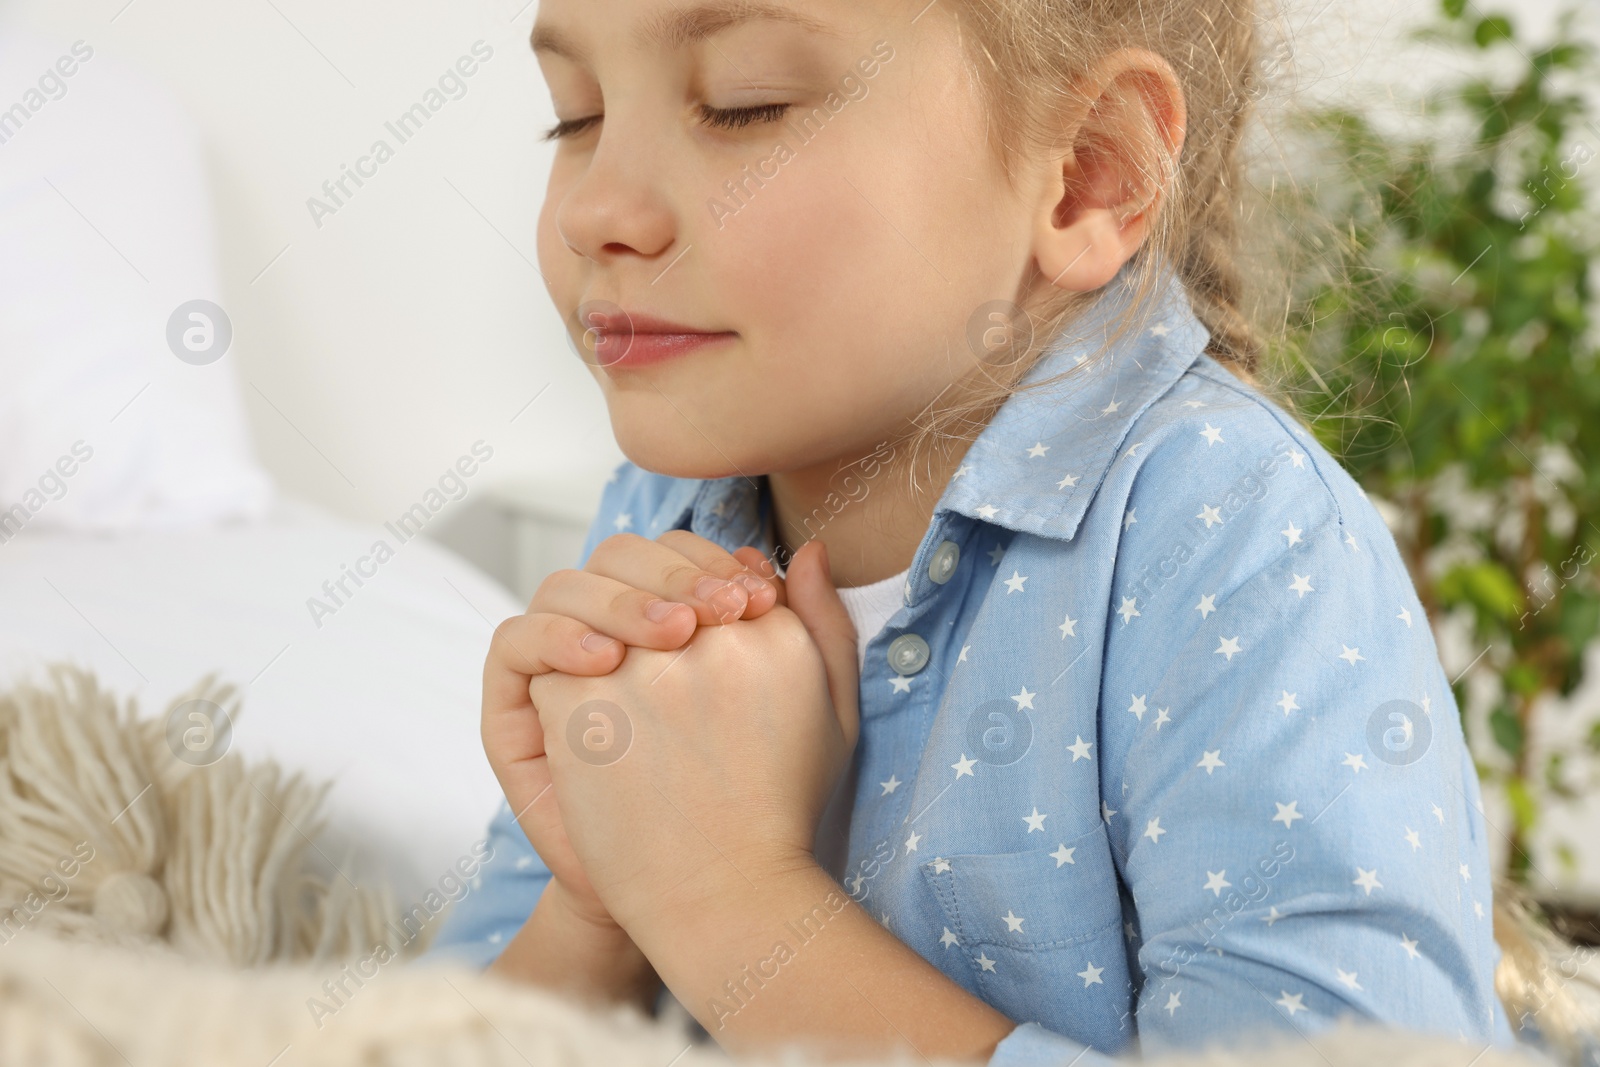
column 1445, row 349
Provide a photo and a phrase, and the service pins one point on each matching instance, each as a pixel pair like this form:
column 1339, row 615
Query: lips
column 622, row 340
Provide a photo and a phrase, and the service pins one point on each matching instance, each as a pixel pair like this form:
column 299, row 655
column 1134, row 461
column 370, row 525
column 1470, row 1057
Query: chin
column 676, row 453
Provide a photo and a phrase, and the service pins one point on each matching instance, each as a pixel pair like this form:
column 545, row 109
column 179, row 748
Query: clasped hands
column 716, row 709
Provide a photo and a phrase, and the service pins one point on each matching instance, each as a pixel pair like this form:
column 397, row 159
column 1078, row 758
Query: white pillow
column 105, row 230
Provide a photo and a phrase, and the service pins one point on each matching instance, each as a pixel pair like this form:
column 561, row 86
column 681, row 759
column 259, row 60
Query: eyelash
column 732, row 118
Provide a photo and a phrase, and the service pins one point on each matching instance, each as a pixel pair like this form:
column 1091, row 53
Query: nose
column 617, row 208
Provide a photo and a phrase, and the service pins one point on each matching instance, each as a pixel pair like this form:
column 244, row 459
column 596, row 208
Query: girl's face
column 805, row 189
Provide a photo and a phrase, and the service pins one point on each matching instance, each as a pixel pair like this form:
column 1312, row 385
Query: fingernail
column 596, row 642
column 725, row 597
column 751, row 583
column 658, row 610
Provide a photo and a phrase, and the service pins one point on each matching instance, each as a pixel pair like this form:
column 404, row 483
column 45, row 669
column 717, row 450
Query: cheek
column 557, row 263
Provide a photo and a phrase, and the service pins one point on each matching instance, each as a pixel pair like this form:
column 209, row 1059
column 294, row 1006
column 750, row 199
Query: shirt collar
column 1074, row 429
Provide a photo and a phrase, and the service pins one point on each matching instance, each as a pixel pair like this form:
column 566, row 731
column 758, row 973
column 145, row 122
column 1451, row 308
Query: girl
column 969, row 657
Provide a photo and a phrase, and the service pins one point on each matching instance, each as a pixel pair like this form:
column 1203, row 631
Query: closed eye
column 735, row 118
column 570, row 127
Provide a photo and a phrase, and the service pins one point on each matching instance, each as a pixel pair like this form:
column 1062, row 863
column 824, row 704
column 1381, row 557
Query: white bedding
column 382, row 698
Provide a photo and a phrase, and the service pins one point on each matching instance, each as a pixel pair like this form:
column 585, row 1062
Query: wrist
column 566, row 948
column 727, row 892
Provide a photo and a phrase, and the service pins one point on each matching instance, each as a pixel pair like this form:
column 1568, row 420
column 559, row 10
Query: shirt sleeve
column 1292, row 806
column 498, row 901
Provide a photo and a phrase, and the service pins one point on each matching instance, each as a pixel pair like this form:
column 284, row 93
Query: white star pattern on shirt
column 624, row 520
column 1111, row 408
column 1091, row 975
column 985, row 962
column 1085, row 547
column 1160, row 329
column 1409, row 945
column 1350, row 539
column 1351, row 655
column 1466, row 873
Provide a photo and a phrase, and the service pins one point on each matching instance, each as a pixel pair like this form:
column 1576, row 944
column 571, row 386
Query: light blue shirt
column 1158, row 748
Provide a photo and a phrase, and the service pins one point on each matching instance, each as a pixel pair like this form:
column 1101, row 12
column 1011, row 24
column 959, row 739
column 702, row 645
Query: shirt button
column 908, row 654
column 943, row 563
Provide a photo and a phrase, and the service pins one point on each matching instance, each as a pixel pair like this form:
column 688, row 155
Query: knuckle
column 553, row 583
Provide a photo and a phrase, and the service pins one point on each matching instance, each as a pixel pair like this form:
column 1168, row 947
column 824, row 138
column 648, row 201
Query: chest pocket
column 1046, row 898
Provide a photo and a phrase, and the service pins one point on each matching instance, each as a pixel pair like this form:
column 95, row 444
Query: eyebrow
column 680, row 28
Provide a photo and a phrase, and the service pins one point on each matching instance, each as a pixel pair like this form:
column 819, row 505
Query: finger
column 752, row 558
column 814, row 599
column 713, row 558
column 653, row 567
column 527, row 645
column 617, row 609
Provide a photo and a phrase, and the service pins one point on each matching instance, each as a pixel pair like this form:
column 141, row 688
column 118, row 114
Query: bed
column 380, row 697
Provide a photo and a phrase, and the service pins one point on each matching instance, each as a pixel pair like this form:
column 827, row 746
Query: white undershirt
column 870, row 606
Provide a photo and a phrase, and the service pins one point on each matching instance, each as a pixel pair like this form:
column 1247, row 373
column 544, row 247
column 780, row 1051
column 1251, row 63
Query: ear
column 1097, row 203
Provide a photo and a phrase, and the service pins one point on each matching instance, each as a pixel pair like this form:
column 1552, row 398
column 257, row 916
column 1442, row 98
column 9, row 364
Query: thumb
column 814, row 599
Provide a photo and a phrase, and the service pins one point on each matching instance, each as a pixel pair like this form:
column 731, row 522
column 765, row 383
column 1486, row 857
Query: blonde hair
column 1029, row 57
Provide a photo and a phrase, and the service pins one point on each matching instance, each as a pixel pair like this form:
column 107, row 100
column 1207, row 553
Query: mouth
column 623, row 340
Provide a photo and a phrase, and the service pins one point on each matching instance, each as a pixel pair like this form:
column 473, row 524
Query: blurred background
column 1424, row 170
